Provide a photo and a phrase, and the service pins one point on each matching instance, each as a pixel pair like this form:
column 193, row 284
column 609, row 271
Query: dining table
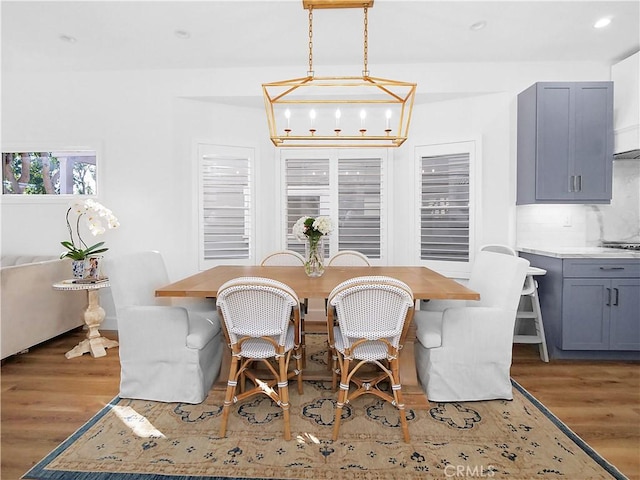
column 426, row 284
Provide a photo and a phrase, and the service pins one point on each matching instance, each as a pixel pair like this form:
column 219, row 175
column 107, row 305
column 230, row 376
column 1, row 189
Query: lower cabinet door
column 625, row 314
column 585, row 314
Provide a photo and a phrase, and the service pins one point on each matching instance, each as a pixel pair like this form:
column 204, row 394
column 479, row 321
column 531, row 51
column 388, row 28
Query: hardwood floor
column 46, row 397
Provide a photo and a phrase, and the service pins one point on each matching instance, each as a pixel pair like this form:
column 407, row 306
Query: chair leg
column 230, row 393
column 299, row 356
column 283, row 392
column 343, row 394
column 396, row 388
column 303, row 344
column 535, row 304
column 334, row 369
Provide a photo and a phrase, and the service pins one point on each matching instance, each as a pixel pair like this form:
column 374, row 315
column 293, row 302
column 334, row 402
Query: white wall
column 586, row 225
column 146, row 124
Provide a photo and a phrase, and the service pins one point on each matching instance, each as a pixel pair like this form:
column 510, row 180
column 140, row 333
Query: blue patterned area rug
column 142, row 440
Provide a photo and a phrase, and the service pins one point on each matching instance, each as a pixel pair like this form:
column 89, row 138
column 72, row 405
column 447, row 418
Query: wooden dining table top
column 425, row 283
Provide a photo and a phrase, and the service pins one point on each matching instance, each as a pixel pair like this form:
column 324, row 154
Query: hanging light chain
column 365, row 72
column 310, row 72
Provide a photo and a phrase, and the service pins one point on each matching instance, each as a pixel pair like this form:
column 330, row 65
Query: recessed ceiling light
column 68, row 38
column 478, row 25
column 182, row 34
column 603, row 22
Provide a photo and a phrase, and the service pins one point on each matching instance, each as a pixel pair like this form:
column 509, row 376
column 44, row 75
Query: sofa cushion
column 12, row 260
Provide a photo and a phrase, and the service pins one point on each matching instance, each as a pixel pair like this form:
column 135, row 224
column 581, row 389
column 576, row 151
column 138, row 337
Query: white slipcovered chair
column 168, row 353
column 261, row 321
column 349, row 258
column 373, row 315
column 463, row 352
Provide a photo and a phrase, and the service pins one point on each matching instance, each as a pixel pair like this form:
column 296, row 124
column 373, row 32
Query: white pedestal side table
column 95, row 343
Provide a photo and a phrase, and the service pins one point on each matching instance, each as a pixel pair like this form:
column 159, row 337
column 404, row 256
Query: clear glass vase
column 314, row 256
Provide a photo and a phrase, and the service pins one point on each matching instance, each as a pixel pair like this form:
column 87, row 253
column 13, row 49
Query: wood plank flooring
column 46, row 397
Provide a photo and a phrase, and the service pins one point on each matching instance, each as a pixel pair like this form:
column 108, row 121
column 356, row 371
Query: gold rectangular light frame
column 318, row 4
column 370, row 92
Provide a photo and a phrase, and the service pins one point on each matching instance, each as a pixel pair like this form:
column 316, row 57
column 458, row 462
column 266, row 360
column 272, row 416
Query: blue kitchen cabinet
column 565, row 143
column 601, row 314
column 590, row 306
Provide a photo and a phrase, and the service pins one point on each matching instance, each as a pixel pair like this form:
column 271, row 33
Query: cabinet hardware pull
column 617, row 292
column 579, row 178
column 611, row 268
column 572, row 183
column 608, row 297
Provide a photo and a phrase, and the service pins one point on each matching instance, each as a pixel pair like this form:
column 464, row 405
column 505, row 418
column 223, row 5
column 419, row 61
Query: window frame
column 474, row 148
column 225, row 150
column 335, row 156
column 51, row 199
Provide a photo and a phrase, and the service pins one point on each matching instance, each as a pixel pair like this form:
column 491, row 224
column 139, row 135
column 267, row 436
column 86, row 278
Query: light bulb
column 287, row 115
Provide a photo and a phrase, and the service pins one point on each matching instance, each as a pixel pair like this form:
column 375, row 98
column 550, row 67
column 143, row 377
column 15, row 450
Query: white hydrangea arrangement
column 309, row 227
column 311, row 230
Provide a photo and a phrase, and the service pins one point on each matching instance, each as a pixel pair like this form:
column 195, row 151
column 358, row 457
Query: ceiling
column 119, row 35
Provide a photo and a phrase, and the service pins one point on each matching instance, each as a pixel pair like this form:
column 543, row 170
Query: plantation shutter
column 308, row 193
column 444, row 210
column 226, row 220
column 359, row 205
column 346, row 185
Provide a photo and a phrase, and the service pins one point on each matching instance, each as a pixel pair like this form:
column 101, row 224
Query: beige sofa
column 31, row 310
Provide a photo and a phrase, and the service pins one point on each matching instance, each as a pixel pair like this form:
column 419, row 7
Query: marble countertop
column 581, row 252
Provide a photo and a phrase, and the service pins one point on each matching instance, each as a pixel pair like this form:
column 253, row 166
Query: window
column 225, row 206
column 50, row 172
column 308, row 187
column 359, row 205
column 347, row 186
column 446, row 202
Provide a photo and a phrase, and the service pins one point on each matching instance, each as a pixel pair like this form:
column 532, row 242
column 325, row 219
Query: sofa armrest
column 32, row 311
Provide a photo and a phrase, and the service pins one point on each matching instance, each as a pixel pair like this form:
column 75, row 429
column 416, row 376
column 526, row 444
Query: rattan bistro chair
column 290, row 258
column 349, row 258
column 283, row 258
column 345, row 258
column 261, row 321
column 286, row 258
column 373, row 315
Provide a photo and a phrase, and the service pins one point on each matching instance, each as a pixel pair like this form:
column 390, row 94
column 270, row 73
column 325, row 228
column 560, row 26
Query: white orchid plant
column 96, row 217
column 312, row 228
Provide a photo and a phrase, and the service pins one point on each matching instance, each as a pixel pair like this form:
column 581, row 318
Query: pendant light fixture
column 342, row 111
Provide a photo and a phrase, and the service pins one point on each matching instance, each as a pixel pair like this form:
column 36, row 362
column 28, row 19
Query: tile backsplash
column 586, row 225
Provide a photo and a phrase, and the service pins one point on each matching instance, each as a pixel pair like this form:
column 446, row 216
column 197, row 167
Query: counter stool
column 529, row 309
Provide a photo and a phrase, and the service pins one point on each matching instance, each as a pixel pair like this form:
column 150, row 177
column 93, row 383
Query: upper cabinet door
column 555, row 144
column 594, row 141
column 565, row 143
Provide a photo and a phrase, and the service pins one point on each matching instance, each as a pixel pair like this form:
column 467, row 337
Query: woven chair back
column 256, row 307
column 371, row 307
column 285, row 258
